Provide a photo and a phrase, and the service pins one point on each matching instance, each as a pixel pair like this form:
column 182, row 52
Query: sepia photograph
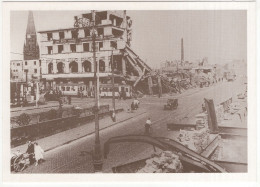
column 128, row 91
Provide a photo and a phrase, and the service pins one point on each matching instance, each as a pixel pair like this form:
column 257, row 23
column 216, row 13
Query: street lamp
column 97, row 155
column 113, row 88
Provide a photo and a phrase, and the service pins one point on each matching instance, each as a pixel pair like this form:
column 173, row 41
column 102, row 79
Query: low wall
column 39, row 127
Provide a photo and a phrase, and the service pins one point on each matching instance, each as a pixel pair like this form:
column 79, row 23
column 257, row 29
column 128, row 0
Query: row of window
column 25, row 63
column 86, row 47
column 74, row 34
column 35, row 70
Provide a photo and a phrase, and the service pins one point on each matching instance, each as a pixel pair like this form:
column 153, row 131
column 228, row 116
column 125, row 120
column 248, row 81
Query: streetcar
column 72, row 89
column 106, row 90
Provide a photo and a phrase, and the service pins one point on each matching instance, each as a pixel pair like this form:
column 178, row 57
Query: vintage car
column 171, row 104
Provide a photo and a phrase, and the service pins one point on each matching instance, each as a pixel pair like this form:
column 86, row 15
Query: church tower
column 30, row 48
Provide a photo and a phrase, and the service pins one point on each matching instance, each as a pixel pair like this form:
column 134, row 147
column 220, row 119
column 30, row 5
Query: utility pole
column 97, row 156
column 113, row 88
column 91, row 24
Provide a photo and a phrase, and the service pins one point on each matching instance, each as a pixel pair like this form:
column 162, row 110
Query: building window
column 35, row 70
column 60, row 48
column 102, row 66
column 86, row 47
column 49, row 36
column 34, row 62
column 73, row 47
column 86, row 66
column 18, row 64
column 87, row 32
column 74, row 34
column 49, row 50
column 100, row 45
column 26, row 70
column 61, row 35
column 100, row 31
column 113, row 44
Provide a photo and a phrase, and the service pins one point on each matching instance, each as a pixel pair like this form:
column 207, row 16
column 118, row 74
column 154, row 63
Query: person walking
column 30, row 151
column 38, row 152
column 148, row 125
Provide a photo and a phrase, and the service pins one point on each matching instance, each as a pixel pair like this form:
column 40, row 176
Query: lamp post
column 113, row 88
column 97, row 155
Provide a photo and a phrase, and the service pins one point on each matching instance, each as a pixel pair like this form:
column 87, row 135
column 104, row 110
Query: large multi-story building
column 67, row 54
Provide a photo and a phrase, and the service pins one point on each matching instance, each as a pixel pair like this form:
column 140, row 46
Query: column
column 79, row 65
column 67, row 69
column 54, row 66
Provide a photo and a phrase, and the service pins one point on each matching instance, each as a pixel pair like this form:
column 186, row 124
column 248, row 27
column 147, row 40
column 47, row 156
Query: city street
column 75, row 157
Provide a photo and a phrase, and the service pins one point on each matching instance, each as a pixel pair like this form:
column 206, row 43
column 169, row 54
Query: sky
column 219, row 35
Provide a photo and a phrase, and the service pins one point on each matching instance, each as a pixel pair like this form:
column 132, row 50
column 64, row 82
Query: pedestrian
column 136, row 103
column 38, row 152
column 132, row 106
column 30, row 151
column 148, row 125
column 113, row 115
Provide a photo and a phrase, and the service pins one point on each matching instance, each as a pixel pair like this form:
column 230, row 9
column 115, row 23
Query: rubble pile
column 165, row 162
column 234, row 107
column 201, row 120
column 196, row 140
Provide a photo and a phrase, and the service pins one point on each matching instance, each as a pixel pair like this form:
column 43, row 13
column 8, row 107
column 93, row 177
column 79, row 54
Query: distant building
column 29, row 68
column 25, row 70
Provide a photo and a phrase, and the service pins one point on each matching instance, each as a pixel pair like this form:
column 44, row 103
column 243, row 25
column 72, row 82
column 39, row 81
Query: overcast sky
column 218, row 35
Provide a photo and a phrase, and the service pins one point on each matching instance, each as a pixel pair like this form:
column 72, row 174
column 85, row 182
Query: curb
column 49, row 149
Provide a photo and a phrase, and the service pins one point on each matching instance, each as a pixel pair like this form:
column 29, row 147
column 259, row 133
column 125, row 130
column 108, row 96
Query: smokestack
column 182, row 51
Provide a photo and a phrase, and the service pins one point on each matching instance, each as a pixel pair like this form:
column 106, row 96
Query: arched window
column 50, row 68
column 101, row 66
column 86, row 66
column 60, row 67
column 73, row 67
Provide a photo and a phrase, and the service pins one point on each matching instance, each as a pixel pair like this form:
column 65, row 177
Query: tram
column 107, row 89
column 72, row 89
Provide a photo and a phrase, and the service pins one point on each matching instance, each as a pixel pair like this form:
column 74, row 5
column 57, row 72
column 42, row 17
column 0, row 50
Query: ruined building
column 67, row 54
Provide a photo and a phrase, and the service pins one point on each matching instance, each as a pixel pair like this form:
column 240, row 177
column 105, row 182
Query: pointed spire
column 30, row 24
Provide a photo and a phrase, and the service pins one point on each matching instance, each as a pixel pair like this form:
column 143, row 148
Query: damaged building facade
column 67, row 54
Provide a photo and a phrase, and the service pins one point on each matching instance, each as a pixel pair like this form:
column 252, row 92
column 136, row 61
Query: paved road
column 68, row 159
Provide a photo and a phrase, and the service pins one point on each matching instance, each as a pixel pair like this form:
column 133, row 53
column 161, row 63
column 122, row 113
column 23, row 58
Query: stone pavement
column 65, row 137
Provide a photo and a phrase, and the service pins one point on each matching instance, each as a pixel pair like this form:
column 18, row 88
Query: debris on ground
column 196, row 140
column 165, row 162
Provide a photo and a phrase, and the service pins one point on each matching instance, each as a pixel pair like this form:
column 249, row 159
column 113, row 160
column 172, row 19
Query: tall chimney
column 182, row 51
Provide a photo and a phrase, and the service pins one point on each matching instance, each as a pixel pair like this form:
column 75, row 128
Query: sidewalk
column 65, row 137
